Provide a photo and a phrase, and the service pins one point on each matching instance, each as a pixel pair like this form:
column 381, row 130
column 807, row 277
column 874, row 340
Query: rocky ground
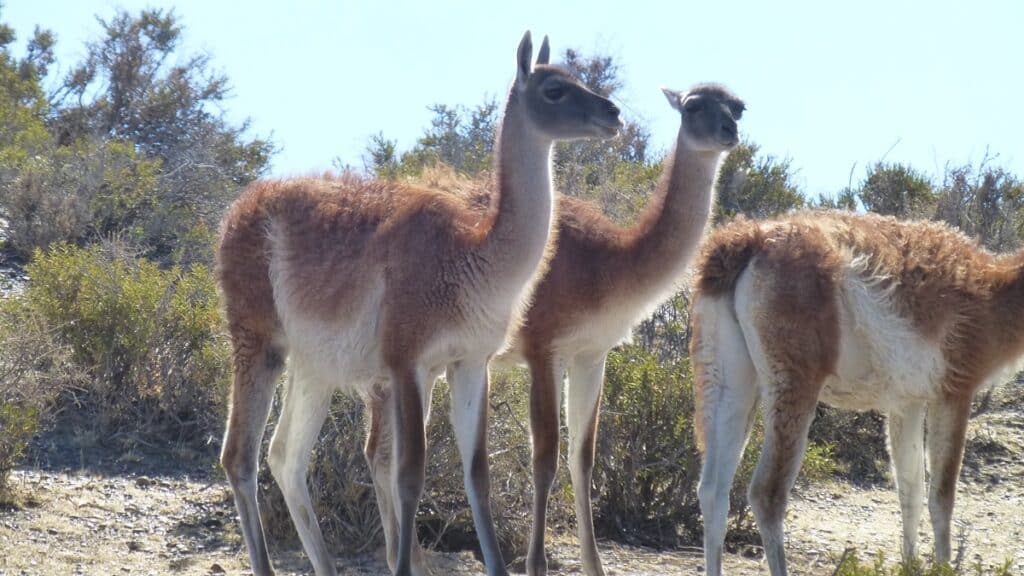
column 132, row 515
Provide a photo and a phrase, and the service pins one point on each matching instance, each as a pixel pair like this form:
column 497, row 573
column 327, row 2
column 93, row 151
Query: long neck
column 522, row 206
column 668, row 231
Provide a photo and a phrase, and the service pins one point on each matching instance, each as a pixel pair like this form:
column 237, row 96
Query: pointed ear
column 545, row 52
column 674, row 98
column 523, row 60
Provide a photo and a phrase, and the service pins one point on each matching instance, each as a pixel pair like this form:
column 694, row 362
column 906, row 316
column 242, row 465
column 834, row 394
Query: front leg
column 410, row 396
column 586, row 377
column 469, row 392
column 378, row 448
column 546, row 374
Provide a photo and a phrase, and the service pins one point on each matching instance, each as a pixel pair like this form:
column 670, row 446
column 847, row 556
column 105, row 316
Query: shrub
column 858, row 442
column 647, row 465
column 75, row 192
column 851, row 565
column 149, row 339
column 34, row 368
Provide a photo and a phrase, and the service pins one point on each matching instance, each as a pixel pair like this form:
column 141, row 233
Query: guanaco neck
column 666, row 235
column 522, row 208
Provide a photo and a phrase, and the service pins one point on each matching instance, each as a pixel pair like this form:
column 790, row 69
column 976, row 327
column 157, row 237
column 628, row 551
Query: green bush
column 858, row 441
column 18, row 422
column 851, row 565
column 76, row 192
column 647, row 465
column 149, row 339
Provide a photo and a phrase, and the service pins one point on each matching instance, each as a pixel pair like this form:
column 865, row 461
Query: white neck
column 523, row 207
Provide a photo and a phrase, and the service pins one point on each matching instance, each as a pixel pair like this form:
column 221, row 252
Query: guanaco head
column 557, row 104
column 710, row 112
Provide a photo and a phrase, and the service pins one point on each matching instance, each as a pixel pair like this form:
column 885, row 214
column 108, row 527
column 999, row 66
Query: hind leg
column 257, row 366
column 788, row 417
column 906, row 443
column 727, row 384
column 305, row 408
column 947, row 432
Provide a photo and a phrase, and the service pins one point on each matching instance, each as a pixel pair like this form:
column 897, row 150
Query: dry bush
column 34, row 368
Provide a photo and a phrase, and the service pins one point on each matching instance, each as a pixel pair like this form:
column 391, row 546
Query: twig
column 841, row 560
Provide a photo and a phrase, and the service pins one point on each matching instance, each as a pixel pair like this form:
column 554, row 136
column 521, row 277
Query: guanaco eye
column 554, row 93
column 693, row 105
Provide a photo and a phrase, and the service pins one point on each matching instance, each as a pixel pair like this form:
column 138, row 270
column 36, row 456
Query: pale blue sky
column 828, row 85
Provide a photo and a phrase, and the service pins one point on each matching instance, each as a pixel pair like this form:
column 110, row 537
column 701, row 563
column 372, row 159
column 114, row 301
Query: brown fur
column 950, row 291
column 410, row 280
column 597, row 262
column 335, row 228
column 609, row 275
column 953, row 291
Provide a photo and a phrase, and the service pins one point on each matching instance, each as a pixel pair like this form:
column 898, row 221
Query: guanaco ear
column 737, row 109
column 523, row 59
column 675, row 98
column 545, row 52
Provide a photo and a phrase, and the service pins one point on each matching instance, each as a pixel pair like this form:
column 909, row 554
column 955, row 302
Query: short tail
column 724, row 378
column 717, row 347
column 724, row 255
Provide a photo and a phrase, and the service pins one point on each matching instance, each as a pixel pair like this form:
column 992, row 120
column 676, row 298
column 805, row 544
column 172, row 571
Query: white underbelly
column 348, row 353
column 883, row 361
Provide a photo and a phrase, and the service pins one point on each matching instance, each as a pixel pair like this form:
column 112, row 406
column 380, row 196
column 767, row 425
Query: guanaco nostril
column 613, row 109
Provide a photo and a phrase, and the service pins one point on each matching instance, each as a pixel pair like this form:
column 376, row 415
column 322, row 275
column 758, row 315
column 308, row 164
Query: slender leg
column 257, row 366
column 378, row 457
column 546, row 376
column 410, row 395
column 906, row 441
column 586, row 377
column 788, row 414
column 305, row 408
column 469, row 385
column 726, row 382
column 947, row 431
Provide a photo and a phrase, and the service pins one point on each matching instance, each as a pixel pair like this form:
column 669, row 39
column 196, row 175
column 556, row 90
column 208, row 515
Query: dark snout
column 609, row 116
column 613, row 110
column 730, row 130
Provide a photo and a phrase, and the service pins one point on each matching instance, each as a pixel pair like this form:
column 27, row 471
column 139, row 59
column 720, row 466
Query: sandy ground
column 74, row 521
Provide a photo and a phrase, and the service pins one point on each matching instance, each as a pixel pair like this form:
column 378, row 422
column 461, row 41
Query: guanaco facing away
column 378, row 288
column 861, row 312
column 601, row 281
